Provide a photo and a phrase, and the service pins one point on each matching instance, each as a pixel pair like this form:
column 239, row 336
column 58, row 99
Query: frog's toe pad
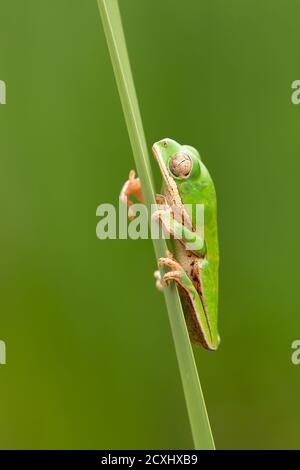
column 159, row 282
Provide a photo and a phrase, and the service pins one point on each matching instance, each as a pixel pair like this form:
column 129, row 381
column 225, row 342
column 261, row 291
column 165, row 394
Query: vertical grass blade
column 111, row 19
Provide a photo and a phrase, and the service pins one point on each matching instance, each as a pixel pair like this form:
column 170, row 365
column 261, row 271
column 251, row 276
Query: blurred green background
column 90, row 358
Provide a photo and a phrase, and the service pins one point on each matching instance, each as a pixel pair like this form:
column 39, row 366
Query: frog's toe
column 170, row 263
column 172, row 276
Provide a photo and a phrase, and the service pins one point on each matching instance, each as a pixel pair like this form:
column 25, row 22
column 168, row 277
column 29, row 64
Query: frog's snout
column 160, row 156
column 162, row 144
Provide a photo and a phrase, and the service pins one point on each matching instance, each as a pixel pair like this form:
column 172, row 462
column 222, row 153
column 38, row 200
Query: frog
column 192, row 258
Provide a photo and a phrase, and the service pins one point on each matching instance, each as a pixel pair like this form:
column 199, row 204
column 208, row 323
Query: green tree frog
column 186, row 183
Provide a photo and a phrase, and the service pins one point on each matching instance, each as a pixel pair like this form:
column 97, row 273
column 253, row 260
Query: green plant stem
column 111, row 19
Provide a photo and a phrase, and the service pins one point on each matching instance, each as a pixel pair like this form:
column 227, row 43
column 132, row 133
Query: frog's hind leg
column 207, row 288
column 197, row 322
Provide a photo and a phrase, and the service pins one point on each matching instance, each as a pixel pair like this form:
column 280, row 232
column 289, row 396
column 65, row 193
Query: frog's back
column 203, row 192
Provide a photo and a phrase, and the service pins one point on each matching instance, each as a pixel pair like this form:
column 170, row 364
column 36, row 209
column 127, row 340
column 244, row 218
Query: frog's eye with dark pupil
column 180, row 165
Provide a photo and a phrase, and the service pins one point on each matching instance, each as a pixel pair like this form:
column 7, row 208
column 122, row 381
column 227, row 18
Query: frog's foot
column 176, row 270
column 132, row 188
column 160, row 284
column 170, row 263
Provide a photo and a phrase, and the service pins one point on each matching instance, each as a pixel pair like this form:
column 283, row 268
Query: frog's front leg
column 192, row 241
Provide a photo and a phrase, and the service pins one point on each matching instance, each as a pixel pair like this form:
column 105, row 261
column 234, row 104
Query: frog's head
column 177, row 163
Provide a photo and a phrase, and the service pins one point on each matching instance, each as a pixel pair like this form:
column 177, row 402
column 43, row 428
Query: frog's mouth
column 168, row 180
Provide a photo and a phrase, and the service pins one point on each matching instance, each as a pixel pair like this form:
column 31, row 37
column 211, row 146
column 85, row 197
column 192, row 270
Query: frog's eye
column 180, row 165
